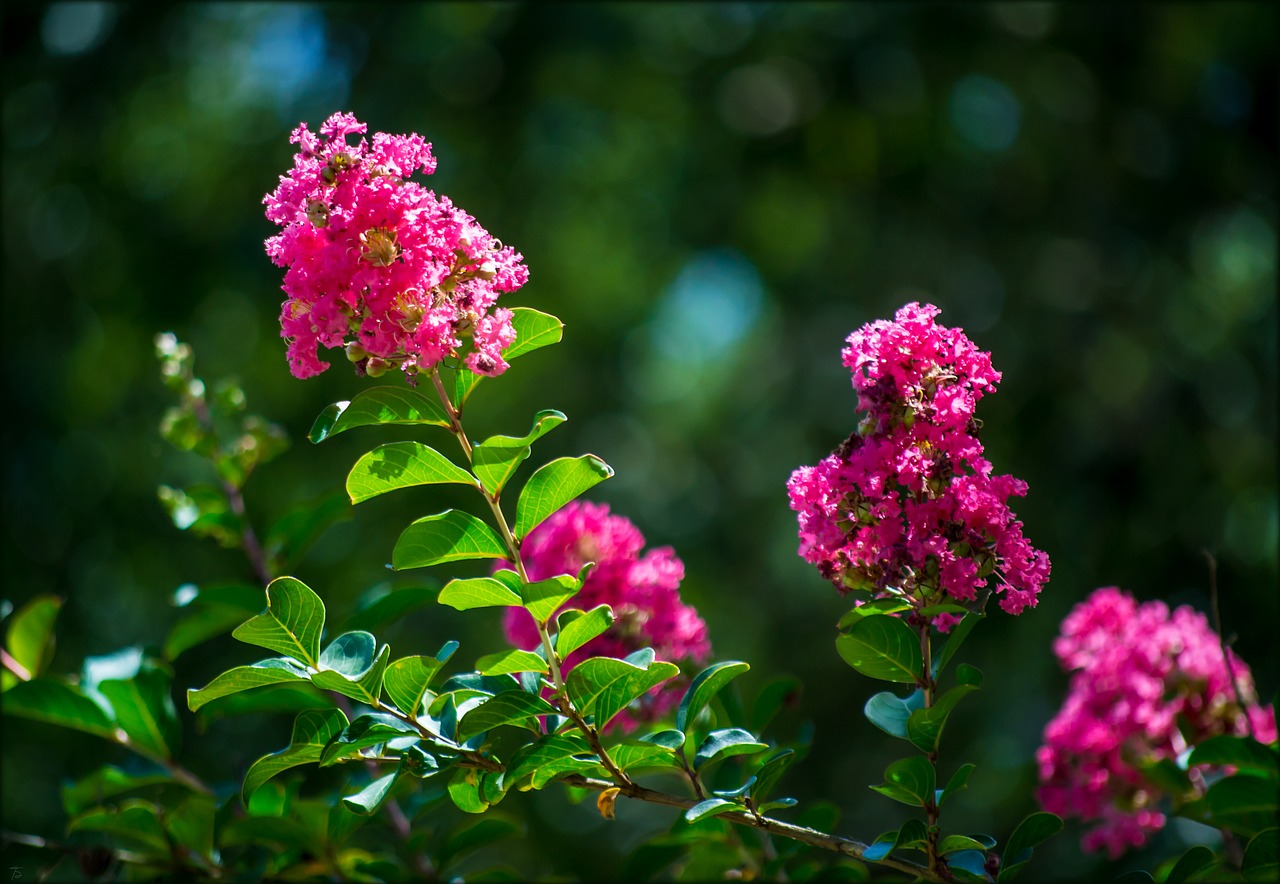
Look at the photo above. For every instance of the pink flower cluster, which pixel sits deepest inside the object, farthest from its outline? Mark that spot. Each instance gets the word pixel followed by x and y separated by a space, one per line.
pixel 643 592
pixel 907 505
pixel 379 264
pixel 1146 685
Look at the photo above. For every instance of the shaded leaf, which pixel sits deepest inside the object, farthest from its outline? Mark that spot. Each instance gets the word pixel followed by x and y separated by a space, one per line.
pixel 1033 830
pixel 882 647
pixel 958 782
pixel 134 822
pixel 555 484
pixel 910 781
pixel 1195 860
pixel 56 702
pixel 464 789
pixel 955 639
pixel 889 712
pixel 769 773
pixel 1262 857
pixel 924 726
pixel 144 709
pixel 378 405
pixel 383 606
pixel 290 536
pixel 29 636
pixel 291 624
pixel 277 670
pixel 406 680
pixel 1245 804
pixel 348 666
pixel 546 750
pixel 726 742
pixel 705 685
pixel 312 731
pixel 370 798
pixel 709 808
pixel 911 833
pixel 107 782
pixel 449 536
pixel 364 731
pixel 402 465
pixel 510 707
pixel 214 610
pixel 1243 753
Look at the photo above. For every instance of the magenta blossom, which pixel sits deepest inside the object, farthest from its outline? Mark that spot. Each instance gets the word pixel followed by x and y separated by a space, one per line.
pixel 907 506
pixel 380 265
pixel 643 592
pixel 1146 685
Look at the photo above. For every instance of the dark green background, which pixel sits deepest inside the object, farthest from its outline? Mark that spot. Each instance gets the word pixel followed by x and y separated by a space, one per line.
pixel 711 197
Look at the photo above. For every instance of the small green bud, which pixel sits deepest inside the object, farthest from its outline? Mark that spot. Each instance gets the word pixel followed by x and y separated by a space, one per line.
pixel 355 352
pixel 376 367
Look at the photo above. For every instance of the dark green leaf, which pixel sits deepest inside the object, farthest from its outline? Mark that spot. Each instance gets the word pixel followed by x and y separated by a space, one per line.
pixel 776 694
pixel 55 702
pixel 889 712
pixel 312 731
pixel 1166 774
pixel 106 782
pixel 956 638
pixel 1243 753
pixel 873 608
pixel 144 708
pixel 709 808
pixel 29 636
pixel 953 843
pixel 1033 830
pixel 277 670
pixel 968 675
pixel 478 592
pixel 364 731
pixel 378 405
pixel 575 628
pixel 542 597
pixel 512 660
pixel 1262 857
pixel 705 685
pixel 191 825
pixel 291 624
pixel 924 727
pixel 547 750
pixel 382 606
pixel 494 461
pixel 510 707
pixel 910 781
pixel 1245 804
pixel 959 781
pixel 214 611
pixel 882 647
pixel 449 536
pixel 769 773
pixel 726 742
pixel 911 834
pixel 406 680
pixel 671 739
pixel 555 484
pixel 1195 860
pixel 134 823
pixel 348 666
pixel 402 465
pixel 370 798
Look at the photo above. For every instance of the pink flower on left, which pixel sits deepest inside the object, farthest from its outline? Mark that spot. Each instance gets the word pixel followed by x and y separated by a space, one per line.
pixel 380 265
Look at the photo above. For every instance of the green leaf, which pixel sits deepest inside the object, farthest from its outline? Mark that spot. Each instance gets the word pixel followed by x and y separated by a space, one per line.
pixel 882 647
pixel 406 680
pixel 191 825
pixel 106 782
pixel 545 751
pixel 534 330
pixel 889 712
pixel 277 670
pixel 370 798
pixel 953 843
pixel 955 639
pixel 378 405
pixel 510 707
pixel 495 460
pixel 1197 859
pixel 575 628
pixel 709 808
pixel 726 742
pixel 364 731
pixel 604 686
pixel 478 592
pixel 1262 857
pixel 555 484
pixel 272 699
pixel 1243 753
pixel 873 608
pixel 481 833
pixel 291 624
pixel 312 731
pixel 542 597
pixel 671 739
pixel 969 675
pixel 349 667
pixel 144 708
pixel 134 822
pixel 1168 776
pixel 290 536
pixel 402 465
pixel 911 833
pixel 512 660
pixel 465 790
pixel 213 611
pixel 769 773
pixel 1245 804
pixel 924 727
pixel 910 781
pixel 959 781
pixel 1033 830
pixel 449 536
pixel 705 685
pixel 29 637
pixel 638 755
pixel 55 702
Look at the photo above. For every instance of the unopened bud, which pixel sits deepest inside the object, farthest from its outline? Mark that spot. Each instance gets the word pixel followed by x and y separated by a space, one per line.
pixel 376 367
pixel 355 352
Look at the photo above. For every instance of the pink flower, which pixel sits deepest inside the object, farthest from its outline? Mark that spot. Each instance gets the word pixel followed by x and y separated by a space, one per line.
pixel 1147 684
pixel 380 265
pixel 907 505
pixel 643 592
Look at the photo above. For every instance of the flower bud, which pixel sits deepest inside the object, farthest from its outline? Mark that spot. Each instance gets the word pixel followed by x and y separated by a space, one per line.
pixel 376 367
pixel 355 352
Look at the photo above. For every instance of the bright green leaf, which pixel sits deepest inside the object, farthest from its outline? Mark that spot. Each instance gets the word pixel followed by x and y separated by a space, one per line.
pixel 494 461
pixel 555 484
pixel 406 680
pixel 144 709
pixel 511 660
pixel 534 330
pixel 464 789
pixel 542 597
pixel 604 686
pixel 705 685
pixel 924 726
pixel 872 608
pixel 546 750
pixel 709 808
pixel 575 628
pixel 277 670
pixel 291 624
pixel 370 798
pixel 726 742
pixel 910 781
pixel 402 465
pixel 639 755
pixel 510 707
pixel 348 666
pixel 312 731
pixel 882 647
pixel 449 536
pixel 378 405
pixel 29 637
pixel 478 592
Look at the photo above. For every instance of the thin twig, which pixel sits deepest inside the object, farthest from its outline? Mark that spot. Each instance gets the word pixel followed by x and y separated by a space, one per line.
pixel 1222 641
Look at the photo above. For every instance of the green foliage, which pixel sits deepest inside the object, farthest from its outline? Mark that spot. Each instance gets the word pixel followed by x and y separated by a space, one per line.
pixel 555 484
pixel 882 647
pixel 402 465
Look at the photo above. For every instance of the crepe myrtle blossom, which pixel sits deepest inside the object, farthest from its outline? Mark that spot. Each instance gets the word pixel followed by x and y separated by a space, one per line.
pixel 642 590
pixel 907 506
pixel 1146 684
pixel 380 265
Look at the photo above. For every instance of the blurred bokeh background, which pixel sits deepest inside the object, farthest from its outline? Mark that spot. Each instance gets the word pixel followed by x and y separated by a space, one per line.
pixel 712 197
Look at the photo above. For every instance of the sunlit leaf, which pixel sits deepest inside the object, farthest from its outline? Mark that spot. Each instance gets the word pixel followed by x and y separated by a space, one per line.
pixel 604 686
pixel 56 702
pixel 575 628
pixel 495 460
pixel 379 405
pixel 312 731
pixel 406 679
pixel 555 484
pixel 277 670
pixel 364 731
pixel 510 707
pixel 450 536
pixel 726 742
pixel 478 592
pixel 350 667
pixel 291 624
pixel 546 750
pixel 144 709
pixel 705 685
pixel 882 647
pixel 402 465
pixel 709 808
pixel 29 636
pixel 511 660
pixel 541 598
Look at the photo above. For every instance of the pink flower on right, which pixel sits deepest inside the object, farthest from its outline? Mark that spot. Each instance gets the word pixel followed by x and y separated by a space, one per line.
pixel 1147 684
pixel 907 506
